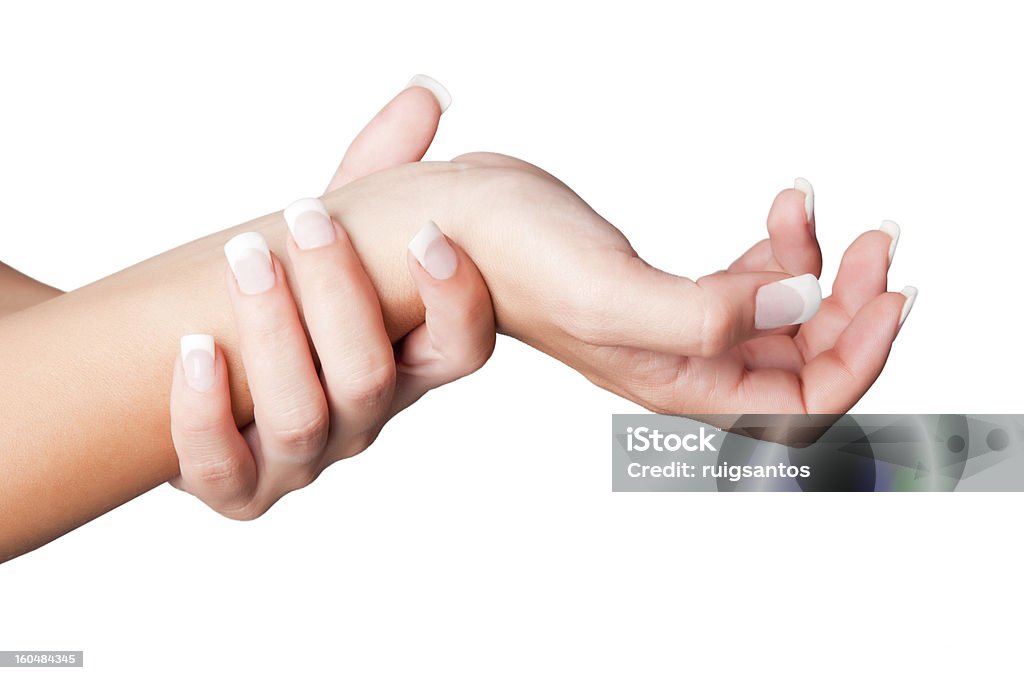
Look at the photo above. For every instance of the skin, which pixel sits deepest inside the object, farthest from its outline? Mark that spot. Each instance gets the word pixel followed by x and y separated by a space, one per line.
pixel 306 419
pixel 458 339
pixel 20 291
pixel 562 279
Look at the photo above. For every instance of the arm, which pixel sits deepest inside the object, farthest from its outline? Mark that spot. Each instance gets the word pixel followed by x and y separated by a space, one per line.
pixel 399 134
pixel 18 291
pixel 83 376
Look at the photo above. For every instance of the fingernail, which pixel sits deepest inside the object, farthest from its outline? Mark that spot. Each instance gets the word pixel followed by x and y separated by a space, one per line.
pixel 802 185
pixel 437 89
pixel 893 230
pixel 197 359
pixel 787 302
pixel 911 294
pixel 249 258
pixel 432 250
pixel 310 223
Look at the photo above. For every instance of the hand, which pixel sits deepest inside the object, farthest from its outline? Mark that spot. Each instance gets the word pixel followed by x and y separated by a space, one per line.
pixel 567 282
pixel 305 421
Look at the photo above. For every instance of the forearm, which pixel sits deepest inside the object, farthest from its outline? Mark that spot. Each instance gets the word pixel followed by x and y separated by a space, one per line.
pixel 18 291
pixel 84 378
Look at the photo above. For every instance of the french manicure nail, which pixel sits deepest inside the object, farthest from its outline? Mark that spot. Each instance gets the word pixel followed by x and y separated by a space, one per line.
pixel 787 302
pixel 803 186
pixel 444 99
pixel 310 223
pixel 893 230
pixel 249 258
pixel 911 294
pixel 197 359
pixel 432 250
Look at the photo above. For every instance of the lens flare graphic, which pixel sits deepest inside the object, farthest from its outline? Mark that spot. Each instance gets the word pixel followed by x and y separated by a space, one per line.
pixel 905 453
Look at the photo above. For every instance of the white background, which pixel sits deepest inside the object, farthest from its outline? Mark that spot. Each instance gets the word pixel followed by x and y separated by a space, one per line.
pixel 479 536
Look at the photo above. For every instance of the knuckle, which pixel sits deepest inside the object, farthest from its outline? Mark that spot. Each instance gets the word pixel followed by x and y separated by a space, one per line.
pixel 373 385
pixel 303 429
pixel 215 471
pixel 255 506
pixel 217 481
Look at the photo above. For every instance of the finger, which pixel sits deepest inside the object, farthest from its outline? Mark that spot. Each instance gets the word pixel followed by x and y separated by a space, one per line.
pixel 831 383
pixel 757 258
pixel 400 133
pixel 772 351
pixel 458 335
pixel 345 322
pixel 861 278
pixel 791 230
pixel 216 463
pixel 837 378
pixel 289 404
pixel 865 266
pixel 792 246
pixel 639 306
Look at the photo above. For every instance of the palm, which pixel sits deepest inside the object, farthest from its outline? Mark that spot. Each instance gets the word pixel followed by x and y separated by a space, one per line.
pixel 643 333
pixel 825 366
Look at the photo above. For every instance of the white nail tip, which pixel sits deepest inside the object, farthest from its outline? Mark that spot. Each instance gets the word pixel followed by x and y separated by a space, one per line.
pixel 239 246
pixel 444 99
pixel 433 252
pixel 422 240
pixel 197 342
pixel 809 289
pixel 304 205
pixel 893 230
pixel 802 185
pixel 785 303
pixel 910 292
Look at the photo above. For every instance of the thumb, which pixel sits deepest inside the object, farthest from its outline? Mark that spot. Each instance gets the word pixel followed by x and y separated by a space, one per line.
pixel 401 133
pixel 676 315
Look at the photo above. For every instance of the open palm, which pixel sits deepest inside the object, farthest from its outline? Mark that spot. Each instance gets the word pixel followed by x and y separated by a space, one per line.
pixel 676 345
pixel 822 366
